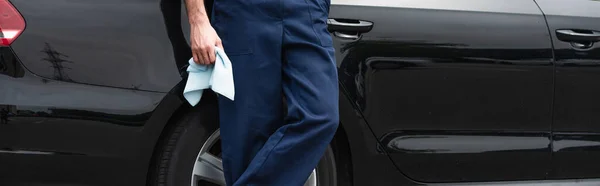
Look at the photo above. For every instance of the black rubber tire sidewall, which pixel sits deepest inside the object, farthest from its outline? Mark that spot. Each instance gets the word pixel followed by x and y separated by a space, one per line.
pixel 326 169
pixel 177 152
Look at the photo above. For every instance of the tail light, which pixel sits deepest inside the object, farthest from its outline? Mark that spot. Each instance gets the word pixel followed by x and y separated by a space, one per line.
pixel 12 23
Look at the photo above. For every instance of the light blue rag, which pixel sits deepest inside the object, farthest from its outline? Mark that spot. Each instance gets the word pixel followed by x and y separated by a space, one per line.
pixel 218 77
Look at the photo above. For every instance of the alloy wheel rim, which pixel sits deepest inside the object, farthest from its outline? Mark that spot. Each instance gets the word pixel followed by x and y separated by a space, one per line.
pixel 209 167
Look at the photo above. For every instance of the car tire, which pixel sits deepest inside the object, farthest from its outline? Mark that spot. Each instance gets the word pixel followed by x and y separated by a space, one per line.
pixel 177 151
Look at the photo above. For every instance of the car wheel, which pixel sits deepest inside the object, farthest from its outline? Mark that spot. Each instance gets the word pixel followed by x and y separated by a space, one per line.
pixel 190 154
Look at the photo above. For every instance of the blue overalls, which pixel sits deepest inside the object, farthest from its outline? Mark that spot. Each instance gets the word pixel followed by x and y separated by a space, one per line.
pixel 279 49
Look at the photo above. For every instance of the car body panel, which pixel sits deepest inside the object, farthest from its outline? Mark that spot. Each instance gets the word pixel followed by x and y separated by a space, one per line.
pixel 111 43
pixel 69 133
pixel 576 105
pixel 370 164
pixel 94 84
pixel 454 82
pixel 437 91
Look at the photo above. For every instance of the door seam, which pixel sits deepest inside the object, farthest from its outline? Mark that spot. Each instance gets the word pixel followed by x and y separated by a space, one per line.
pixel 551 172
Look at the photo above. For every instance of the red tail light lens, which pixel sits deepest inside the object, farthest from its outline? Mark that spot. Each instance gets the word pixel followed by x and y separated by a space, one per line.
pixel 12 23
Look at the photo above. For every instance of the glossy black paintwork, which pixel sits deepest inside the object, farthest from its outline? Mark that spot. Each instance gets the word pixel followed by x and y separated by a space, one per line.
pixel 577 104
pixel 96 120
pixel 436 91
pixel 428 70
pixel 102 131
pixel 61 132
pixel 576 155
pixel 124 43
pixel 448 155
pixel 577 70
pixel 370 165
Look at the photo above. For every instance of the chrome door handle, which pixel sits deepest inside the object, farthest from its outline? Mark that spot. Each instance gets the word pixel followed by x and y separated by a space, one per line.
pixel 571 35
pixel 346 25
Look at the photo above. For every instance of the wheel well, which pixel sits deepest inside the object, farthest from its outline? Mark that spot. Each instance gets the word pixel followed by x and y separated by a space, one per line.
pixel 209 100
pixel 170 126
pixel 340 146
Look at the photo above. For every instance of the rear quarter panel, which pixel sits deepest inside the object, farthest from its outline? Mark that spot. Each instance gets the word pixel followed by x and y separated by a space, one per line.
pixel 113 43
pixel 96 118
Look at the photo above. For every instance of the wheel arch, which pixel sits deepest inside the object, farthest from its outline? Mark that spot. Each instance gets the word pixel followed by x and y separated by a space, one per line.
pixel 345 143
pixel 169 110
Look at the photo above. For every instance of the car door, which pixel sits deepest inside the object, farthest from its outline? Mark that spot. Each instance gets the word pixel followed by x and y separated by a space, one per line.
pixel 455 90
pixel 575 29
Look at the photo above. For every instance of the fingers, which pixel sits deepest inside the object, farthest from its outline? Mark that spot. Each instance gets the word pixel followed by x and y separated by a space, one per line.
pixel 211 55
pixel 204 56
pixel 205 59
pixel 196 57
pixel 199 57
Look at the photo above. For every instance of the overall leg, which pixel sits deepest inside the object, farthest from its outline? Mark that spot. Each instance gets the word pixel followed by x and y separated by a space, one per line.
pixel 253 46
pixel 311 91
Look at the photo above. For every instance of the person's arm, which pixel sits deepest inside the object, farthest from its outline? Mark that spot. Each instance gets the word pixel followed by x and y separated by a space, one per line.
pixel 202 35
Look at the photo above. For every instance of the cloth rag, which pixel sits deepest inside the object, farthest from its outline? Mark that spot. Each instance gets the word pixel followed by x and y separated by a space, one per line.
pixel 217 76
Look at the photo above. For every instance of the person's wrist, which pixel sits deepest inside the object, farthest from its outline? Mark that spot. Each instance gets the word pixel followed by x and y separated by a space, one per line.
pixel 200 21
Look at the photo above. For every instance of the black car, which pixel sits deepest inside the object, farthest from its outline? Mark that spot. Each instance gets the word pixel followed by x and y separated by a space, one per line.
pixel 475 92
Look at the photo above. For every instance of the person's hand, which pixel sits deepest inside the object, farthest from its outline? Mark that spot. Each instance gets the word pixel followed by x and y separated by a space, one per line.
pixel 204 38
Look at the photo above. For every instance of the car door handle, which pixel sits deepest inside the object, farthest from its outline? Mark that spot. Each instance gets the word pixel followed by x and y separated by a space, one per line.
pixel 343 25
pixel 572 35
pixel 348 29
